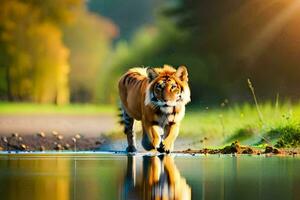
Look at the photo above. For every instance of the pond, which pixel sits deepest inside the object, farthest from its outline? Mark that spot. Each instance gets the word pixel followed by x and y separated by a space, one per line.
pixel 120 176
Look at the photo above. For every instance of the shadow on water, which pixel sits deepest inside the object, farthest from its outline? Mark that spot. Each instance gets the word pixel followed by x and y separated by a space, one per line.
pixel 160 179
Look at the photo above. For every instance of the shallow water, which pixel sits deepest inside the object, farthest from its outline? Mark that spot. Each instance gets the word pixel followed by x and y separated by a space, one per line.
pixel 118 176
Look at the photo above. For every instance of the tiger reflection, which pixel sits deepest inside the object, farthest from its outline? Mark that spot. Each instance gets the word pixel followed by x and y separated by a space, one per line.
pixel 160 179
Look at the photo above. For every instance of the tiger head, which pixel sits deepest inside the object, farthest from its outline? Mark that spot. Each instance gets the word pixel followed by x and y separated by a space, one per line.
pixel 167 86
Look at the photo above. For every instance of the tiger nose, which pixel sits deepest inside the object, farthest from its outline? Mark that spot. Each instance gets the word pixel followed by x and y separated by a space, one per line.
pixel 169 87
pixel 167 96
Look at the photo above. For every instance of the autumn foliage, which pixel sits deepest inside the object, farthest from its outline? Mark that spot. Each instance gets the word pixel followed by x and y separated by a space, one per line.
pixel 40 44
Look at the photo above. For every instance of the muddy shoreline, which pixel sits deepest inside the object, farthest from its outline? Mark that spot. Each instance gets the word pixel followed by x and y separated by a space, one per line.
pixel 55 141
pixel 237 148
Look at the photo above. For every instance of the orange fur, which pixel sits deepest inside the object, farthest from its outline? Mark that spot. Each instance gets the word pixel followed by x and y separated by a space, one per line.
pixel 157 97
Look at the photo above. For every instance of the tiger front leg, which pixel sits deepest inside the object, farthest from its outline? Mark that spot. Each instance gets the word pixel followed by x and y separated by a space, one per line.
pixel 151 137
pixel 172 131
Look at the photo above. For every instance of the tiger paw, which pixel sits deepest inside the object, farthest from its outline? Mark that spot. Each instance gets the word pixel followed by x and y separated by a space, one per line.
pixel 131 149
pixel 163 149
pixel 160 149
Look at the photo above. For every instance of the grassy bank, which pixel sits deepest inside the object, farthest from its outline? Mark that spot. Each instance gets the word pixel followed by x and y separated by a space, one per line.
pixel 71 109
pixel 243 123
pixel 277 125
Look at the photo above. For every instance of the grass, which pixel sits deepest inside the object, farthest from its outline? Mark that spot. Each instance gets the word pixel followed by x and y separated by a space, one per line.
pixel 224 125
pixel 7 108
pixel 242 134
pixel 288 136
pixel 256 125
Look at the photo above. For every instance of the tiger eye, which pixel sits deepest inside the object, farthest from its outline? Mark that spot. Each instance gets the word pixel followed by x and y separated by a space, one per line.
pixel 159 86
pixel 173 86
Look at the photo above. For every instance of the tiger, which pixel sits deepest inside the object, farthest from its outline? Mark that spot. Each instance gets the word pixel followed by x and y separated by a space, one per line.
pixel 157 97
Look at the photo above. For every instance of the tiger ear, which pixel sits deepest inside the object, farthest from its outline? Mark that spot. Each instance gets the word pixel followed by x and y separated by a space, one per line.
pixel 182 73
pixel 151 73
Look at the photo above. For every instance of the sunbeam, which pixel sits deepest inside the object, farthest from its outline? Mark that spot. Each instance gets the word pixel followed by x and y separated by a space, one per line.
pixel 269 32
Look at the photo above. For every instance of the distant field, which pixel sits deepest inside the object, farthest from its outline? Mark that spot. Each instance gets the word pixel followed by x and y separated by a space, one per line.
pixel 71 109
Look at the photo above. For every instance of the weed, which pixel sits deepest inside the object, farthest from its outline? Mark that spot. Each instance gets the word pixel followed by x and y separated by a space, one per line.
pixel 288 136
pixel 261 118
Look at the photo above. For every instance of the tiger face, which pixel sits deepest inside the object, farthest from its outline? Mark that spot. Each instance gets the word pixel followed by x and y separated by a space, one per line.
pixel 167 87
pixel 166 90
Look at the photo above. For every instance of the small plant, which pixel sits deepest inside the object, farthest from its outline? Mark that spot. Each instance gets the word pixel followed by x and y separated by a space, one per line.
pixel 222 125
pixel 289 136
pixel 260 115
pixel 277 104
pixel 255 101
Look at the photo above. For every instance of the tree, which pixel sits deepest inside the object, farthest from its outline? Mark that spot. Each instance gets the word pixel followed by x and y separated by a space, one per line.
pixel 89 40
pixel 35 59
pixel 254 39
pixel 223 44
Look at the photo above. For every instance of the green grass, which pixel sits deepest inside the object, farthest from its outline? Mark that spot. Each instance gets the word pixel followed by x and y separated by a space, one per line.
pixel 288 136
pixel 71 109
pixel 224 125
pixel 221 126
pixel 242 134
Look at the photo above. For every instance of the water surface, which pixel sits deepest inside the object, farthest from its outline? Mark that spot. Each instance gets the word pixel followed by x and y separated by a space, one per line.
pixel 116 176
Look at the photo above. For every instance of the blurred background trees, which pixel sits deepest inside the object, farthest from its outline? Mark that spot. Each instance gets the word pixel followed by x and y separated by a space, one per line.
pixel 51 50
pixel 56 51
pixel 241 39
pixel 89 40
pixel 34 59
pixel 223 44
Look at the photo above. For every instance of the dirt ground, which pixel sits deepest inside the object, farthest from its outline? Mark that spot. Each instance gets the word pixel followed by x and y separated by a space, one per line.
pixel 91 126
pixel 54 132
